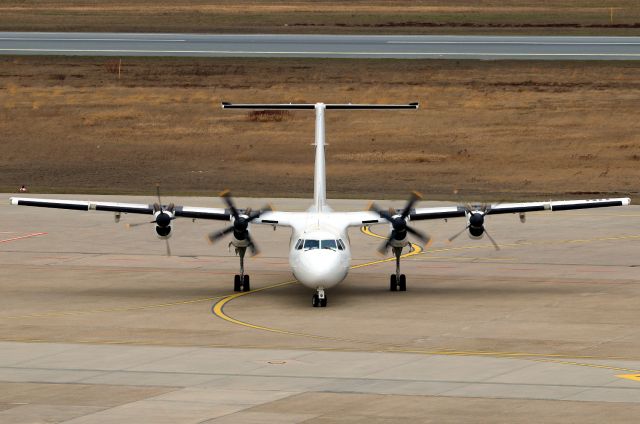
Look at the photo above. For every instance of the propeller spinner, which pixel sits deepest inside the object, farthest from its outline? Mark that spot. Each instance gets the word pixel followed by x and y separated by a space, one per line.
pixel 399 225
pixel 475 223
pixel 240 225
pixel 163 215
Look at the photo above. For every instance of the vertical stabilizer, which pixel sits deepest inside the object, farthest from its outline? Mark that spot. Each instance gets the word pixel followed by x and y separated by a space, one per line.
pixel 320 175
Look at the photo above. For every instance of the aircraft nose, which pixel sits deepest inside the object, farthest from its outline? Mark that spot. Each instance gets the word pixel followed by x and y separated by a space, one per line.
pixel 321 268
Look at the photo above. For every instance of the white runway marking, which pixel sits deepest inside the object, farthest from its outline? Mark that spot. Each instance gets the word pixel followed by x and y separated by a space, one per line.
pixel 526 43
pixel 143 40
pixel 303 53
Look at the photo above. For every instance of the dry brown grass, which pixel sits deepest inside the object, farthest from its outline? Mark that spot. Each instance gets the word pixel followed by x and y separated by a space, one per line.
pixel 268 115
pixel 498 129
pixel 399 158
pixel 324 16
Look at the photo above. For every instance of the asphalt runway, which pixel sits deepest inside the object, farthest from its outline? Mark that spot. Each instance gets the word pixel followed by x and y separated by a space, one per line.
pixel 97 325
pixel 323 46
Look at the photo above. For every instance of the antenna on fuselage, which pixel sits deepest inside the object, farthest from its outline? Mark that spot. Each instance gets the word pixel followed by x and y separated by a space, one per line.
pixel 319 183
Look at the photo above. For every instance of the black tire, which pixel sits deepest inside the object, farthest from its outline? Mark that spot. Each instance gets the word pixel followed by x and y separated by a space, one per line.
pixel 403 283
pixel 315 301
pixel 323 303
pixel 246 285
pixel 393 284
pixel 236 283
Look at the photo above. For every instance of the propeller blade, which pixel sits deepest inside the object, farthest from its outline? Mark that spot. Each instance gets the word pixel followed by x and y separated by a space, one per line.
pixel 384 214
pixel 226 196
pixel 215 235
pixel 158 194
pixel 384 247
pixel 419 234
pixel 252 246
pixel 255 214
pixel 415 196
pixel 490 206
pixel 137 224
pixel 492 240
pixel 458 234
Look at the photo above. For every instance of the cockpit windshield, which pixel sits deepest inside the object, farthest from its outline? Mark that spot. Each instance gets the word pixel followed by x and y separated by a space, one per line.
pixel 311 244
pixel 329 244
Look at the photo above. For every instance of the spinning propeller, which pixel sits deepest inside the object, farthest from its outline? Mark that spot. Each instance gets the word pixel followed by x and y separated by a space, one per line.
pixel 240 226
pixel 475 223
pixel 399 223
pixel 163 217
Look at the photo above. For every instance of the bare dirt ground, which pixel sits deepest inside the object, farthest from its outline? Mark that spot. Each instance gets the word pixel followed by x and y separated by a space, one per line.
pixel 359 16
pixel 503 130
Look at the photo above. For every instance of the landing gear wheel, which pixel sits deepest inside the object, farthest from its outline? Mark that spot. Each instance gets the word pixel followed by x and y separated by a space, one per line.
pixel 246 285
pixel 393 283
pixel 403 283
pixel 317 302
pixel 236 283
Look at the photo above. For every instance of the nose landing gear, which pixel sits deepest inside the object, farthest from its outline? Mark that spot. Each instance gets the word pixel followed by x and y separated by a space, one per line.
pixel 241 282
pixel 398 282
pixel 319 299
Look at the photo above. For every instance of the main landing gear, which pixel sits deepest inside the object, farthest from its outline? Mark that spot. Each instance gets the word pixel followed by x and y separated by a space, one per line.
pixel 319 299
pixel 241 282
pixel 397 281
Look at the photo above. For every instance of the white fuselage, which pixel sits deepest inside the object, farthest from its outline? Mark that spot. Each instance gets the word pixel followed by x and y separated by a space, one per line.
pixel 319 255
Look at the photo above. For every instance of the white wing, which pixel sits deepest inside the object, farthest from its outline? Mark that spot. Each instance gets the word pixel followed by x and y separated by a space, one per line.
pixel 357 219
pixel 284 219
pixel 139 208
pixel 561 205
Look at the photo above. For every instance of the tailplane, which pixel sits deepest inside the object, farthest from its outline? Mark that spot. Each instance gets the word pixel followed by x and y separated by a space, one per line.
pixel 320 184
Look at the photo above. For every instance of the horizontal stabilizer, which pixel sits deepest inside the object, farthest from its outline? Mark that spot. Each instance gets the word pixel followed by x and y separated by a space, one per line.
pixel 294 106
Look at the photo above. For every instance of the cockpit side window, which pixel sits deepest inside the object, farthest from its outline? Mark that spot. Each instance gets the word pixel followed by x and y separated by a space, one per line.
pixel 329 244
pixel 299 244
pixel 340 245
pixel 311 244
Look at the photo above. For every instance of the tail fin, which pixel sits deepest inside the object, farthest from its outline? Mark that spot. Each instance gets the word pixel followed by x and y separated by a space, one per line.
pixel 320 186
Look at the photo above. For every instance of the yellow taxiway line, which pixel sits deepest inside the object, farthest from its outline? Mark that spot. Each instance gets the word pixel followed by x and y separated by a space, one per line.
pixel 218 310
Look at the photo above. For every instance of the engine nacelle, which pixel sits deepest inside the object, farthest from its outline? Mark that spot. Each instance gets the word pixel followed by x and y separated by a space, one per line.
pixel 163 223
pixel 163 232
pixel 476 224
pixel 476 232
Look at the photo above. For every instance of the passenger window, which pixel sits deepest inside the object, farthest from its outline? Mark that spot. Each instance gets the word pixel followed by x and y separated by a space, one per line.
pixel 299 244
pixel 340 245
pixel 329 244
pixel 311 244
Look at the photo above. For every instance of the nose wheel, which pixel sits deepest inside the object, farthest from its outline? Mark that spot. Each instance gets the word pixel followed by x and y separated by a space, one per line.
pixel 319 299
pixel 398 284
pixel 241 283
pixel 397 281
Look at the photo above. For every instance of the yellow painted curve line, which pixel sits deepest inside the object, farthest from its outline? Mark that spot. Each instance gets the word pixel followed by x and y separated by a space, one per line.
pixel 117 309
pixel 582 364
pixel 218 310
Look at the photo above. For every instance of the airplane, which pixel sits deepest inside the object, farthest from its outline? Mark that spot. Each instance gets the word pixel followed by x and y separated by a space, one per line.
pixel 319 248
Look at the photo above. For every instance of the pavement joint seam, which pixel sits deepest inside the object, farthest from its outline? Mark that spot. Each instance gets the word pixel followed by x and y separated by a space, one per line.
pixel 218 308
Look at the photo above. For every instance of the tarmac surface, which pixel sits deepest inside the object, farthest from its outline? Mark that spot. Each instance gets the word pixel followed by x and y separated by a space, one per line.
pixel 322 46
pixel 97 325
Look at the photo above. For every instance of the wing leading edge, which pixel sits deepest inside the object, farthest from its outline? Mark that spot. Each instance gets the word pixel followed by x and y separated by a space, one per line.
pixel 501 208
pixel 138 208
